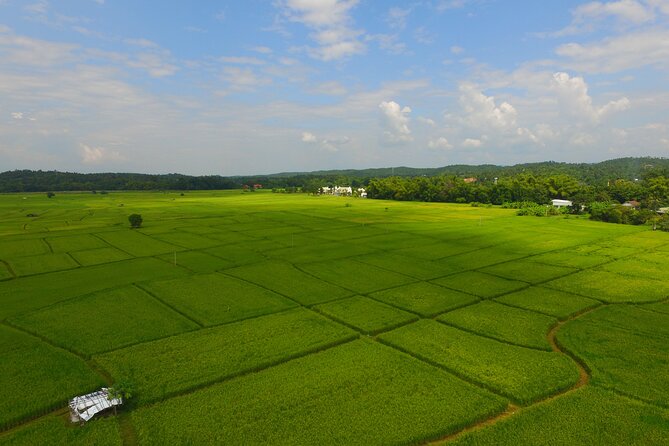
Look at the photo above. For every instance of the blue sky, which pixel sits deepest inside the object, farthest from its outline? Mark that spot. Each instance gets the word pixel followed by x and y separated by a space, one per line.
pixel 243 87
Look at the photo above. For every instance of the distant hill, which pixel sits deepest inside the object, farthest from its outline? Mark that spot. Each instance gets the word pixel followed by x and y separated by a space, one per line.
pixel 594 173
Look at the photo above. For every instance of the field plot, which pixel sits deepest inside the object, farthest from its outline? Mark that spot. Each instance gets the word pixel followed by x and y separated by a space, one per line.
pixel 214 298
pixel 105 320
pixel 285 279
pixel 11 249
pixel 425 299
pixel 625 356
pixel 612 288
pixel 54 430
pixel 29 293
pixel 295 319
pixel 197 261
pixel 365 314
pixel 71 243
pixel 528 271
pixel 187 240
pixel 343 392
pixel 44 263
pixel 512 325
pixel 356 276
pixel 136 243
pixel 480 284
pixel 414 267
pixel 586 417
pixel 522 374
pixel 37 377
pixel 172 365
pixel 548 301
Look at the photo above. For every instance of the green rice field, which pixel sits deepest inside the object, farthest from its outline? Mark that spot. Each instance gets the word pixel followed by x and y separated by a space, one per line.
pixel 260 318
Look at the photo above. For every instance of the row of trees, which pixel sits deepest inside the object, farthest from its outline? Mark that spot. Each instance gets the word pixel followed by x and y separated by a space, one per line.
pixel 652 192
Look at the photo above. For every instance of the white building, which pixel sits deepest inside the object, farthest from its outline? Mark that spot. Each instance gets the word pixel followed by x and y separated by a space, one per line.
pixel 561 203
pixel 85 407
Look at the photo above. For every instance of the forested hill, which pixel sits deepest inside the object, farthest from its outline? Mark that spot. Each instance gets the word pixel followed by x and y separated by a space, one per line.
pixel 593 174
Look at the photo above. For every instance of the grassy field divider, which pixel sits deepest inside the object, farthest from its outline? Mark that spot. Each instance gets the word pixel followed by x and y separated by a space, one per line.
pixel 584 378
pixel 352 327
pixel 483 335
pixel 48 244
pixel 161 301
pixel 260 368
pixel 455 373
pixel 9 268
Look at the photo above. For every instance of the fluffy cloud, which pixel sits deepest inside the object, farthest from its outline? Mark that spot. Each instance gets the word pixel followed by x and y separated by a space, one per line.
pixel 98 155
pixel 331 23
pixel 439 143
pixel 628 51
pixel 572 93
pixel 624 10
pixel 472 143
pixel 396 122
pixel 308 137
pixel 481 111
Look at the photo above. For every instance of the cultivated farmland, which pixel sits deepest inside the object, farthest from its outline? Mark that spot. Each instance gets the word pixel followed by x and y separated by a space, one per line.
pixel 259 318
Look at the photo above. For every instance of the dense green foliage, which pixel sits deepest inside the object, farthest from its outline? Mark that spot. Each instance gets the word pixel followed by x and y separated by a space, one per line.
pixel 358 393
pixel 235 316
pixel 586 416
pixel 508 324
pixel 179 363
pixel 37 377
pixel 625 348
pixel 57 430
pixel 522 374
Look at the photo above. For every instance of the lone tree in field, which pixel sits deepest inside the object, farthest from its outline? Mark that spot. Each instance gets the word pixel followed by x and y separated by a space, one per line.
pixel 135 220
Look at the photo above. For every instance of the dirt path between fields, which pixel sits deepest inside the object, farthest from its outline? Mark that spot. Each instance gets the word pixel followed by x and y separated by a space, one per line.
pixel 584 378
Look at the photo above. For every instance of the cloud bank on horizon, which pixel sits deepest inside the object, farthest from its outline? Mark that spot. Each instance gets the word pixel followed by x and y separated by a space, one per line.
pixel 292 85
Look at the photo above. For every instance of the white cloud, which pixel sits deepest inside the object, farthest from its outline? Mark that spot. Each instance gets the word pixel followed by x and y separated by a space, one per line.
pixel 628 51
pixel 241 60
pixel 572 94
pixel 439 143
pixel 262 49
pixel 397 17
pixel 389 43
pixel 98 155
pixel 472 143
pixel 243 79
pixel 481 110
pixel 330 21
pixel 396 122
pixel 457 49
pixel 309 137
pixel 624 10
pixel 426 121
pixel 17 115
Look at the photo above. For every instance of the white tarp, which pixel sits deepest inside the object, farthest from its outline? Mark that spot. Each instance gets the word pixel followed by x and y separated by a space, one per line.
pixel 84 407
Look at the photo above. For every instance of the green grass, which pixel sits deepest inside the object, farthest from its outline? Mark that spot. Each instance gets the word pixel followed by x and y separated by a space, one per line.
pixel 37 377
pixel 548 301
pixel 98 256
pixel 480 284
pixel 214 298
pixel 425 299
pixel 53 430
pixel 10 249
pixel 187 240
pixel 356 276
pixel 197 261
pixel 612 288
pixel 172 365
pixel 44 263
pixel 418 268
pixel 358 393
pixel 513 325
pixel 312 251
pixel 588 416
pixel 30 293
pixel 651 266
pixel 285 279
pixel 364 314
pixel 235 254
pixel 71 243
pixel 631 355
pixel 660 307
pixel 105 320
pixel 522 374
pixel 571 259
pixel 528 271
pixel 136 243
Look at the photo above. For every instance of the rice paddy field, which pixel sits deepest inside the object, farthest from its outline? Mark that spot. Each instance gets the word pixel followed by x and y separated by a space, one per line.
pixel 260 318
